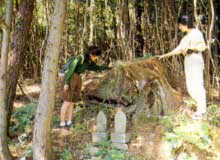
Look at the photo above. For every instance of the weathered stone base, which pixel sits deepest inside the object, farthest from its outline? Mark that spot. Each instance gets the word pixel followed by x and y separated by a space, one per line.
pixel 95 158
pixel 120 146
pixel 120 137
pixel 94 151
pixel 99 137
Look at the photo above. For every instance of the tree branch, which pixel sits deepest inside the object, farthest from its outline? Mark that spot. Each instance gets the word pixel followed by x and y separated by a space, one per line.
pixel 30 99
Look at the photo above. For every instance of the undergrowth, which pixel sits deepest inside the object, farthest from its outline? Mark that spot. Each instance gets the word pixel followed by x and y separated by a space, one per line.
pixel 189 139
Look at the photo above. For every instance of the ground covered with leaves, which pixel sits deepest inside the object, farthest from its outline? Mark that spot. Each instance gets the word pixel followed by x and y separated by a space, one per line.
pixel 172 137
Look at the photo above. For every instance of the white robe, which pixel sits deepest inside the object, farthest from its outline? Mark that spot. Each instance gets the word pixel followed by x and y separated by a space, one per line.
pixel 194 66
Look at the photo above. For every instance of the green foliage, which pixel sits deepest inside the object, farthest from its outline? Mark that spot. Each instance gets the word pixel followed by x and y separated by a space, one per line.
pixel 108 109
pixel 104 147
pixel 2 9
pixel 148 55
pixel 168 123
pixel 181 131
pixel 23 117
pixel 66 154
pixel 107 152
pixel 40 12
pixel 56 120
pixel 214 115
pixel 109 86
pixel 186 156
pixel 197 135
pixel 190 103
pixel 28 152
pixel 79 127
pixel 78 114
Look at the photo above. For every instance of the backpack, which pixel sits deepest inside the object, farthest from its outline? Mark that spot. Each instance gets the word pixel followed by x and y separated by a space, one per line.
pixel 66 66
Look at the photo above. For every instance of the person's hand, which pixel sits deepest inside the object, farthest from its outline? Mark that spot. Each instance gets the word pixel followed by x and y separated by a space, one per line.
pixel 66 87
pixel 163 56
pixel 184 52
pixel 61 75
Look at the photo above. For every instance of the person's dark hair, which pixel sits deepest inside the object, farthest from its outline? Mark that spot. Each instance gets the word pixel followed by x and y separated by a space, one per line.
pixel 94 50
pixel 186 20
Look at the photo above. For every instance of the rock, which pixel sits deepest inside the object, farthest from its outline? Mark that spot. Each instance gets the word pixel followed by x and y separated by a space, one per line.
pixel 120 146
pixel 120 137
pixel 120 122
pixel 99 137
pixel 101 122
pixel 143 83
pixel 94 151
pixel 95 158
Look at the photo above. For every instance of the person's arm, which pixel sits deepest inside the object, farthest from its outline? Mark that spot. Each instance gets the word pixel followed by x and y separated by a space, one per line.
pixel 71 71
pixel 169 54
pixel 198 43
pixel 180 49
pixel 94 67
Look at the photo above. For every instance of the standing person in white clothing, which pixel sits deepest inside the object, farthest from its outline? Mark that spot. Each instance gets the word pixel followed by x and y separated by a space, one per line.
pixel 191 46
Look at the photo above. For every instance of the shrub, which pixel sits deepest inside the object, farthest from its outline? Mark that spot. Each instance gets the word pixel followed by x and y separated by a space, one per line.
pixel 23 117
pixel 214 115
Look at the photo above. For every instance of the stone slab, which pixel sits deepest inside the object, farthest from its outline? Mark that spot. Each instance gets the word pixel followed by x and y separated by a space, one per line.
pixel 95 158
pixel 101 122
pixel 99 137
pixel 120 137
pixel 120 146
pixel 94 151
pixel 120 122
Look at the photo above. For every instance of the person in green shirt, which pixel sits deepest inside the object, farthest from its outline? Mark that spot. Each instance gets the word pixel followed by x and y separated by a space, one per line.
pixel 73 81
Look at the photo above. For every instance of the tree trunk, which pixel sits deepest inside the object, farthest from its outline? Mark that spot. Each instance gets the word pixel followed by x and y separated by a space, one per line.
pixel 139 38
pixel 145 26
pixel 123 29
pixel 209 39
pixel 131 41
pixel 83 38
pixel 20 39
pixel 4 150
pixel 91 16
pixel 41 135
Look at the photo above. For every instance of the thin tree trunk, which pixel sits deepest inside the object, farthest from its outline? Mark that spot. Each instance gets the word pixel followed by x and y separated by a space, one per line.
pixel 209 38
pixel 118 37
pixel 42 127
pixel 4 150
pixel 20 39
pixel 82 40
pixel 114 44
pixel 131 41
pixel 123 29
pixel 138 37
pixel 91 34
pixel 195 12
pixel 145 24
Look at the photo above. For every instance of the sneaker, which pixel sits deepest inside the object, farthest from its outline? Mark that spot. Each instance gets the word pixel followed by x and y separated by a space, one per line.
pixel 69 123
pixel 62 125
pixel 198 116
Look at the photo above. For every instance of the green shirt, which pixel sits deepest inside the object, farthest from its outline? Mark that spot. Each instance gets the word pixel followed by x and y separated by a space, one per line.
pixel 77 67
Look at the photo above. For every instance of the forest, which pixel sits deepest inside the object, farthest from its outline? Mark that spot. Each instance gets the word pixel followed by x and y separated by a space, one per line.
pixel 136 105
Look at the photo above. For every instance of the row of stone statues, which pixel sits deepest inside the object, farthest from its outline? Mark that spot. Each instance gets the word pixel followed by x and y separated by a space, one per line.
pixel 118 138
